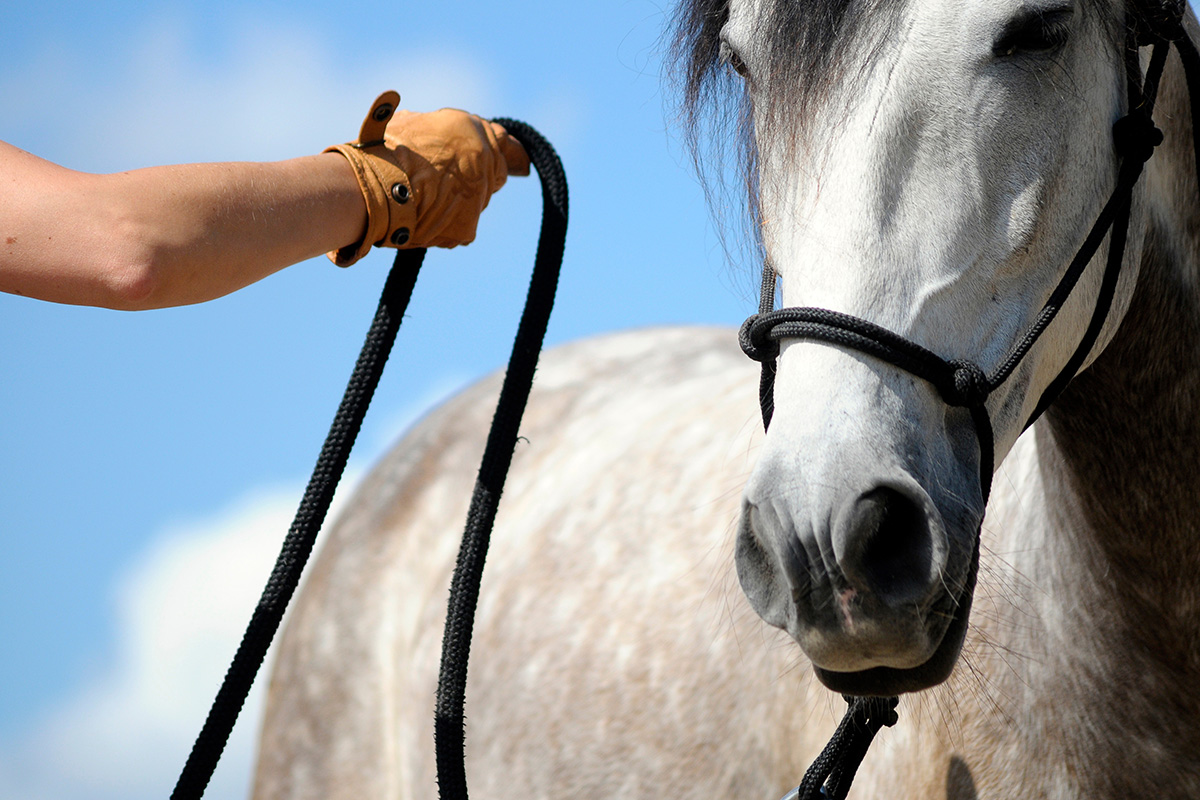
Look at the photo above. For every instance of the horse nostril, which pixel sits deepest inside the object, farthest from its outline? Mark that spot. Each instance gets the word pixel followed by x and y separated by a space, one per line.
pixel 888 547
pixel 767 574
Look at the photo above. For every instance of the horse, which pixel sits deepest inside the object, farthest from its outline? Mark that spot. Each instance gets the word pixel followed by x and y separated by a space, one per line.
pixel 930 166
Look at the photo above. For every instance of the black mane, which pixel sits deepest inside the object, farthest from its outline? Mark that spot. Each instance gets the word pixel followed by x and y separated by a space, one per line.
pixel 806 42
pixel 810 47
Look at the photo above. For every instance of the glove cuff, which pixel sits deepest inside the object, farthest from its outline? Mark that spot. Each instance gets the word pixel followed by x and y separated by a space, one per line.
pixel 386 189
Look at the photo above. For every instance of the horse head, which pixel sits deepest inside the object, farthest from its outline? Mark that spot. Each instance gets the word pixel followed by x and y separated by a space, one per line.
pixel 931 167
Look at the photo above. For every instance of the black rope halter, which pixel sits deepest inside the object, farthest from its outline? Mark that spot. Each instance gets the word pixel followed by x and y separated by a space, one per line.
pixel 963 383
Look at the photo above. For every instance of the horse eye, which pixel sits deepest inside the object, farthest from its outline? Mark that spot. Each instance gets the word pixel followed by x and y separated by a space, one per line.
pixel 730 57
pixel 1034 32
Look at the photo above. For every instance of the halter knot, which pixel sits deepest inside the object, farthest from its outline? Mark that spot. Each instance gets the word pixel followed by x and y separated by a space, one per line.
pixel 970 385
pixel 882 709
pixel 1136 136
pixel 755 340
pixel 1161 22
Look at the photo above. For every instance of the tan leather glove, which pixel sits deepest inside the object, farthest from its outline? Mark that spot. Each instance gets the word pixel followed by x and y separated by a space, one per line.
pixel 426 177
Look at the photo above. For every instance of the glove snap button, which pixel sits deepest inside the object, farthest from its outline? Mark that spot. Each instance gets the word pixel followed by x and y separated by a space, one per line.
pixel 399 192
pixel 382 112
pixel 400 236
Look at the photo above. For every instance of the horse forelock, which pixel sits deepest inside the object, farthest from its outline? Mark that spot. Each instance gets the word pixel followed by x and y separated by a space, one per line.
pixel 807 46
pixel 808 49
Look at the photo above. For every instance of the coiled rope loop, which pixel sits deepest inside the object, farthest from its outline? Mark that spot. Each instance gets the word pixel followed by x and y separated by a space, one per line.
pixel 298 544
pixel 464 586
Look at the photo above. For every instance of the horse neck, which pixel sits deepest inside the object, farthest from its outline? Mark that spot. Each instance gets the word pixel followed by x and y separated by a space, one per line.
pixel 1095 535
pixel 1125 436
pixel 1119 453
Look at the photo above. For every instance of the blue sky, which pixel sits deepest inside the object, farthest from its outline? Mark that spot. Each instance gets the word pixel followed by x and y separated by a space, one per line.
pixel 151 461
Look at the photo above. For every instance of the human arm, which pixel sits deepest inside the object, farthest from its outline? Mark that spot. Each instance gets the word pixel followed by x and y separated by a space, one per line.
pixel 170 235
pixel 176 235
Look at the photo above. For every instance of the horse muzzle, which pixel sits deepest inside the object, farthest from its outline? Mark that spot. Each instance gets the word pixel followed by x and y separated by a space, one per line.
pixel 864 549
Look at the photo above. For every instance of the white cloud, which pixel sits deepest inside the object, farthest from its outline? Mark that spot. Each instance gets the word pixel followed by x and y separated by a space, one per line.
pixel 181 608
pixel 277 90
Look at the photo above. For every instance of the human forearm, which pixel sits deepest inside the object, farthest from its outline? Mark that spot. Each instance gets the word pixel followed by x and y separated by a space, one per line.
pixel 199 231
pixel 167 235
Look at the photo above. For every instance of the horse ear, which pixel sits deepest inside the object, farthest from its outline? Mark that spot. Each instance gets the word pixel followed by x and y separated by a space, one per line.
pixel 1157 20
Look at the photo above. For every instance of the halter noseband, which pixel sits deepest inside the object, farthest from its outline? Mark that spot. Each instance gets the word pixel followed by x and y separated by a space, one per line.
pixel 962 383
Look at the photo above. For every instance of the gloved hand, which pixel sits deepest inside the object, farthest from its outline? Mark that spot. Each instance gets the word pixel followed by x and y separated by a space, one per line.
pixel 426 177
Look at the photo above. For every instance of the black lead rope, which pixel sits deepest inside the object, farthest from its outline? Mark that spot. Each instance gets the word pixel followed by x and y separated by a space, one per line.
pixel 464 587
pixel 965 384
pixel 298 544
pixel 833 770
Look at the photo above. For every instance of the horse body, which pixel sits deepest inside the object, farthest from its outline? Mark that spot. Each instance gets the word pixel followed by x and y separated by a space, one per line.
pixel 612 650
pixel 614 655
